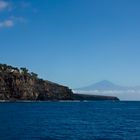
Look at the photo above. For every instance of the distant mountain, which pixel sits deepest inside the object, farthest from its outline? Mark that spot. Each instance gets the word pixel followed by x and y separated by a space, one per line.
pixel 103 85
pixel 108 88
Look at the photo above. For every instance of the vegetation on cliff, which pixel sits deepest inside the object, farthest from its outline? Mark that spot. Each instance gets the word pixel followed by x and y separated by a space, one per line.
pixel 20 84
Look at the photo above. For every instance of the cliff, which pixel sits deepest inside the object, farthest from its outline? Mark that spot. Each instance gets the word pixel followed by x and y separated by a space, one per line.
pixel 19 84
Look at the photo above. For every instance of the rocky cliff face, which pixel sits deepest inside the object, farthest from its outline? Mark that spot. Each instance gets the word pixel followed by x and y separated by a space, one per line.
pixel 18 84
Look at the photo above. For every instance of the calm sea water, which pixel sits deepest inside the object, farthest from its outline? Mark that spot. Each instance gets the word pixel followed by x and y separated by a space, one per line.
pixel 70 121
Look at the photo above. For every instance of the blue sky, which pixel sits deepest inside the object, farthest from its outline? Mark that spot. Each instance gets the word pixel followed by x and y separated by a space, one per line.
pixel 73 42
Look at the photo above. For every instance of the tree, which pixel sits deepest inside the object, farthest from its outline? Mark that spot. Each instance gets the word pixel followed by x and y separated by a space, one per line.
pixel 24 70
pixel 0 66
pixel 34 74
pixel 4 67
pixel 16 69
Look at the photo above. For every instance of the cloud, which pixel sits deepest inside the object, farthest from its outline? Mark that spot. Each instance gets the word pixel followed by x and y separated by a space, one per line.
pixel 4 5
pixel 7 23
pixel 11 21
pixel 9 11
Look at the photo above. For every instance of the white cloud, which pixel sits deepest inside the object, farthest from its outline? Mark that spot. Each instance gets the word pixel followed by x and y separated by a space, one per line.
pixel 7 23
pixel 9 7
pixel 11 21
pixel 3 5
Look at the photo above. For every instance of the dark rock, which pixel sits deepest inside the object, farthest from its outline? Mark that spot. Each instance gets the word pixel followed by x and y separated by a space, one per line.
pixel 93 97
pixel 19 85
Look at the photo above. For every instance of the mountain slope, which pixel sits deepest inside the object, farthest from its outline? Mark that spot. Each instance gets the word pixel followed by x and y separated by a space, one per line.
pixel 109 89
pixel 103 85
pixel 19 84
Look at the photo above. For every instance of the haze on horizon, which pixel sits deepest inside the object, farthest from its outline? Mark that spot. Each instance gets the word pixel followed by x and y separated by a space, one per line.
pixel 74 43
pixel 107 88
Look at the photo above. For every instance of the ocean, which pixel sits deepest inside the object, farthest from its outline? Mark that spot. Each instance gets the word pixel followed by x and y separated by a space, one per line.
pixel 95 120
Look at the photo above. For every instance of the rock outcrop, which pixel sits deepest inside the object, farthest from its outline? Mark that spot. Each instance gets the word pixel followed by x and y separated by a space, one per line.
pixel 19 84
pixel 94 97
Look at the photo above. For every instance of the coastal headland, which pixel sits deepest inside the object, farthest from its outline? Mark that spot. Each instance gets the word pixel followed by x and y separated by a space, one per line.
pixel 18 84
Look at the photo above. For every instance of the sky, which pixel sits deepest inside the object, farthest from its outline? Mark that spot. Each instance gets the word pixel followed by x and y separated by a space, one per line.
pixel 73 42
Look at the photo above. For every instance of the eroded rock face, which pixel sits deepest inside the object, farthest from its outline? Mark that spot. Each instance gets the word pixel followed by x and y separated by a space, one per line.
pixel 16 85
pixel 19 84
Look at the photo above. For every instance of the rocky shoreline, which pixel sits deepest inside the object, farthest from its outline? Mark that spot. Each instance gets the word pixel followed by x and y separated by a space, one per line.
pixel 21 85
pixel 94 97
